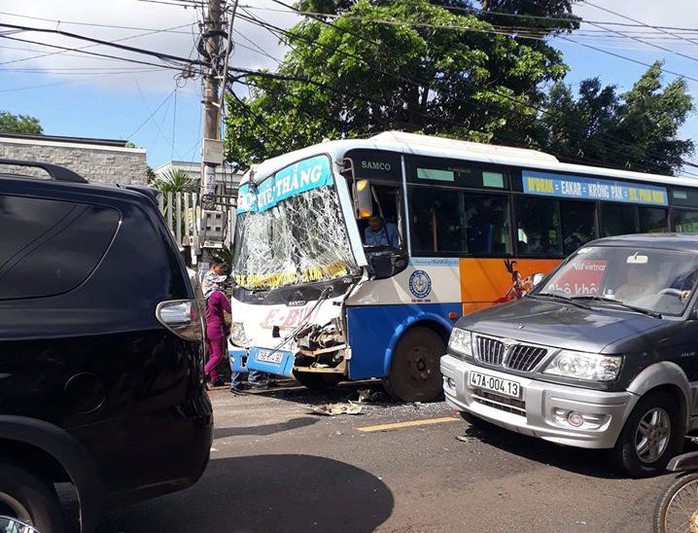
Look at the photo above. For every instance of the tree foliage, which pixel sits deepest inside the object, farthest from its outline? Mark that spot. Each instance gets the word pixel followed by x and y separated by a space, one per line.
pixel 175 180
pixel 409 65
pixel 24 124
pixel 637 130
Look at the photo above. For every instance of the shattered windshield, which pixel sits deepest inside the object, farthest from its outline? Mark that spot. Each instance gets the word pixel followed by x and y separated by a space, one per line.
pixel 290 230
pixel 658 281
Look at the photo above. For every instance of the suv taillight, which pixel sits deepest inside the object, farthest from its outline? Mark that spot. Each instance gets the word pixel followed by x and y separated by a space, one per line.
pixel 181 317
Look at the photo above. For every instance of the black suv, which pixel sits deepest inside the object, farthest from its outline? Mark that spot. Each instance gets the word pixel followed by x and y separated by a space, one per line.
pixel 101 353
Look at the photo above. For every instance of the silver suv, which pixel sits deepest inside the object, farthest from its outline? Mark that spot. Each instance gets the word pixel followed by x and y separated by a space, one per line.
pixel 603 353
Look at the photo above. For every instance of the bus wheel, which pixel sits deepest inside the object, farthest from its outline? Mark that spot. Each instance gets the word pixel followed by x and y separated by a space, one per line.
pixel 414 371
pixel 315 380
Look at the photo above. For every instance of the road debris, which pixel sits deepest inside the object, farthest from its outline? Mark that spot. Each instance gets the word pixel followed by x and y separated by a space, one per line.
pixel 334 409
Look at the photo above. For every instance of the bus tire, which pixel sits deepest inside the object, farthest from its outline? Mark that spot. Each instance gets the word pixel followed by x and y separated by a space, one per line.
pixel 314 380
pixel 29 498
pixel 414 370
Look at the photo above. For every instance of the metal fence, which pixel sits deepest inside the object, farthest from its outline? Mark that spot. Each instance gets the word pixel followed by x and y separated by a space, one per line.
pixel 182 212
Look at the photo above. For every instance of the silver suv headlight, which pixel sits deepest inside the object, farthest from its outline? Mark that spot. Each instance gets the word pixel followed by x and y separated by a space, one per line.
pixel 237 335
pixel 461 342
pixel 582 365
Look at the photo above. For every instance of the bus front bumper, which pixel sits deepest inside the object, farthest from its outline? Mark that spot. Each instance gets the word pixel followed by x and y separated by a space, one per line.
pixel 561 414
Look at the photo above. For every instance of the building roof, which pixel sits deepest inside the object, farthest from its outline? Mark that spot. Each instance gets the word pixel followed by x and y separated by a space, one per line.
pixel 73 140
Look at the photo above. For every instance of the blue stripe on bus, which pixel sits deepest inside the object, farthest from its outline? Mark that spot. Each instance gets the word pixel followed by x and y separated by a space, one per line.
pixel 375 330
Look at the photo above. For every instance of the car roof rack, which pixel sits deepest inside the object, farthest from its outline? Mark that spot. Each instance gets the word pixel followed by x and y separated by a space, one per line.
pixel 56 172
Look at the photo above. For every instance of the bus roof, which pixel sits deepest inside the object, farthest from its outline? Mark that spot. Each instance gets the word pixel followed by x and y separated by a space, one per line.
pixel 427 145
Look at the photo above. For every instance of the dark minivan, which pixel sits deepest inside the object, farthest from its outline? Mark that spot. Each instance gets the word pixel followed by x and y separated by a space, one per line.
pixel 603 353
pixel 101 354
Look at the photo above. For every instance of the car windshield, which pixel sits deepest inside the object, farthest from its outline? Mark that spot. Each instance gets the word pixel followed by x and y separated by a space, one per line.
pixel 658 281
pixel 290 230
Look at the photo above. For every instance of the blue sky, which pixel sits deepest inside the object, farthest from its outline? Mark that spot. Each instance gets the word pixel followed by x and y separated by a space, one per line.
pixel 77 95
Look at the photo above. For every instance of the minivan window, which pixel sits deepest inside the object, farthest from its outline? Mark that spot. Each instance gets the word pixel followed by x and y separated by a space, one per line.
pixel 50 247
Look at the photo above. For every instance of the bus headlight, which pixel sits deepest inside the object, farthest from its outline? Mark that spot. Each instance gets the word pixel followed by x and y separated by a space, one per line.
pixel 461 343
pixel 582 365
pixel 237 335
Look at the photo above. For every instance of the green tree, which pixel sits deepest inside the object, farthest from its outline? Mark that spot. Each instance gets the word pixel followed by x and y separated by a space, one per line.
pixel 10 123
pixel 407 65
pixel 638 130
pixel 175 180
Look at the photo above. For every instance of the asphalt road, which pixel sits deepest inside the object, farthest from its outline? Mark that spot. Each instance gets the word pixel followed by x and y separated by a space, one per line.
pixel 276 466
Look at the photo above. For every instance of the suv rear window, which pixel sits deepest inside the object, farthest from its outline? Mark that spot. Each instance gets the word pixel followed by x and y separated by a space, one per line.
pixel 50 247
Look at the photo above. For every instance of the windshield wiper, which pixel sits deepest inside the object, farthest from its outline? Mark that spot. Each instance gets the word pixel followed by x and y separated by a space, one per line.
pixel 635 308
pixel 560 296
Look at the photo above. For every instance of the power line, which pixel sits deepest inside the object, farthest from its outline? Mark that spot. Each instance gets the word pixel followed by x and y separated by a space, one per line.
pixel 181 3
pixel 86 52
pixel 95 25
pixel 167 98
pixel 160 55
pixel 618 141
pixel 660 28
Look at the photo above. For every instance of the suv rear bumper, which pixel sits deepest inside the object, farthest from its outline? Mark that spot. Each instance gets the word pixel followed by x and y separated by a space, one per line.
pixel 171 455
pixel 542 408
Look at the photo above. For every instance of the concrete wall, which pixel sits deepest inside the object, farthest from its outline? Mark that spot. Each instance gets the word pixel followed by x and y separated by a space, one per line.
pixel 96 163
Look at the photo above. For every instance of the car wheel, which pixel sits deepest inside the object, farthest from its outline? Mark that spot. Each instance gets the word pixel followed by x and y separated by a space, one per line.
pixel 414 371
pixel 652 435
pixel 28 498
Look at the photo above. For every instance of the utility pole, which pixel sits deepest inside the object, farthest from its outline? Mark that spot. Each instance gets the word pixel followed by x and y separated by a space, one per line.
pixel 212 145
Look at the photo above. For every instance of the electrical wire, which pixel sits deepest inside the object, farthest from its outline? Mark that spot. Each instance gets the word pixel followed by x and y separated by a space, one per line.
pixel 617 142
pixel 160 55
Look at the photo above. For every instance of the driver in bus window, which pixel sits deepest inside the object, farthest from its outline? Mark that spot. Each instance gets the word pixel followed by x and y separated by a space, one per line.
pixel 380 233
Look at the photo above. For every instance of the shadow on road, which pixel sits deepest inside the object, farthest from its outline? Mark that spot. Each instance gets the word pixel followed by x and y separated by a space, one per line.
pixel 594 463
pixel 266 493
pixel 268 429
pixel 339 393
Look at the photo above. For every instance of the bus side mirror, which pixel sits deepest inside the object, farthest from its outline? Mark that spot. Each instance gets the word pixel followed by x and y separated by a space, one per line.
pixel 362 199
pixel 536 278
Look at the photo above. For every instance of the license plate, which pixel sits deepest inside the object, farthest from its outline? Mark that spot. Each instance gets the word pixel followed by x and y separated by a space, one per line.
pixel 269 356
pixel 502 386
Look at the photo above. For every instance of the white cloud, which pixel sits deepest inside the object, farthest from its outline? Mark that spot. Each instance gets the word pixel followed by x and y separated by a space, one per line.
pixel 680 13
pixel 130 22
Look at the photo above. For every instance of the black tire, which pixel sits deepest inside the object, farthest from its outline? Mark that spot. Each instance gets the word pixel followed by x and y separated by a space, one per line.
pixel 314 380
pixel 415 375
pixel 645 451
pixel 677 507
pixel 30 499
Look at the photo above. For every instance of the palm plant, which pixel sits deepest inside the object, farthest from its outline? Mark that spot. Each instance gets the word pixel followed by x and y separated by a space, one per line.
pixel 175 180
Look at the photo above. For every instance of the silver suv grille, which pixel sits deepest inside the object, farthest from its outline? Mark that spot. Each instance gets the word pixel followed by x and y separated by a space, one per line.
pixel 516 356
pixel 490 351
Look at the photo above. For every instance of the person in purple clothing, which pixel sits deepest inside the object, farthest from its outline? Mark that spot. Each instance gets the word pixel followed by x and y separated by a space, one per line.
pixel 216 304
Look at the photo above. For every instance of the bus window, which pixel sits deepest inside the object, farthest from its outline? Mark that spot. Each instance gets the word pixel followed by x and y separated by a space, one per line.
pixel 538 227
pixel 384 226
pixel 685 221
pixel 653 220
pixel 437 220
pixel 578 224
pixel 456 222
pixel 619 219
pixel 487 224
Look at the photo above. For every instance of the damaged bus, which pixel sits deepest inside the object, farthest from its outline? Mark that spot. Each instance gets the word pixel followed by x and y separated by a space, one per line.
pixel 354 258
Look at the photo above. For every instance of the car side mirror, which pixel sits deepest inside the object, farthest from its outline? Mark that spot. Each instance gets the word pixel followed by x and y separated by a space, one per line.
pixel 536 278
pixel 12 525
